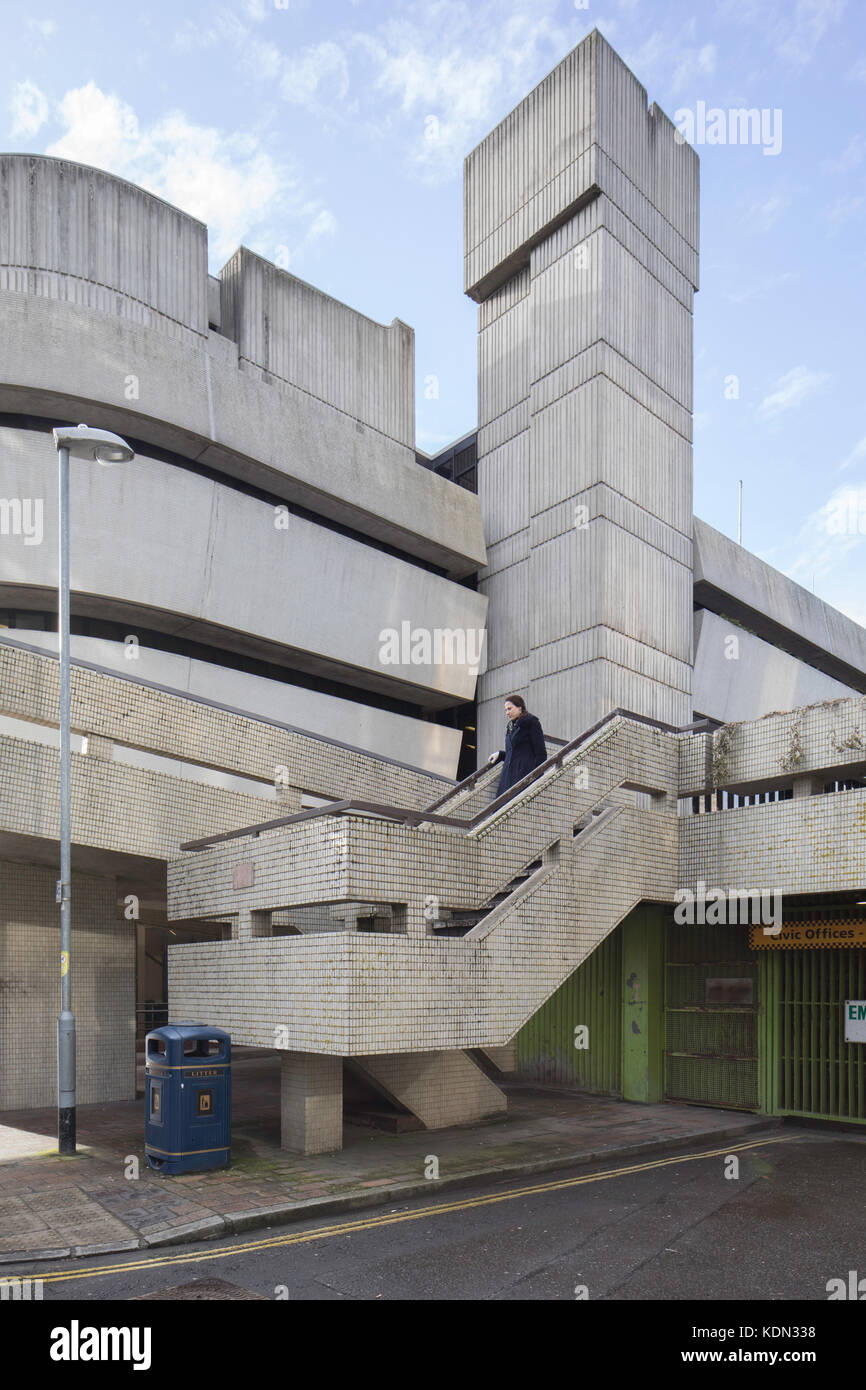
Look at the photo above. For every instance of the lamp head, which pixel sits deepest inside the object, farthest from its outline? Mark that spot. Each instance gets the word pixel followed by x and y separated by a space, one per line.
pixel 96 446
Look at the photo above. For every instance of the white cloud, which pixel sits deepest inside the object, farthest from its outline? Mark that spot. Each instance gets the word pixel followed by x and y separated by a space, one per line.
pixel 29 108
pixel 857 454
pixel 431 63
pixel 762 288
pixel 44 27
pixel 852 155
pixel 226 180
pixel 831 549
pixel 794 35
pixel 260 59
pixel 791 390
pixel 694 63
pixel 324 224
pixel 323 66
pixel 803 31
pixel 841 211
pixel 765 214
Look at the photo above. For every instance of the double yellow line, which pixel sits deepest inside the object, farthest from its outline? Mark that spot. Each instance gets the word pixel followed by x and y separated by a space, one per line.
pixel 373 1223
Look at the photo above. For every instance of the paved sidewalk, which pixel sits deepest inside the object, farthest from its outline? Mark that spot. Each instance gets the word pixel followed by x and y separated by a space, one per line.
pixel 85 1205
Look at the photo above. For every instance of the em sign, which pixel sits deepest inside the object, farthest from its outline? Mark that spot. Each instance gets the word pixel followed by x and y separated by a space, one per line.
pixel 855 1020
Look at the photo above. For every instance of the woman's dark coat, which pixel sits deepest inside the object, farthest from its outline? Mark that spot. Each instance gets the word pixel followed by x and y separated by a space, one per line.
pixel 524 750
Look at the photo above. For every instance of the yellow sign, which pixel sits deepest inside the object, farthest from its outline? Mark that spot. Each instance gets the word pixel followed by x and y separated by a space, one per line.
pixel 821 935
pixel 64 963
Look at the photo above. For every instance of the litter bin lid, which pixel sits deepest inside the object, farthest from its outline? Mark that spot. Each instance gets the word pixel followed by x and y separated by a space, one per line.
pixel 177 1032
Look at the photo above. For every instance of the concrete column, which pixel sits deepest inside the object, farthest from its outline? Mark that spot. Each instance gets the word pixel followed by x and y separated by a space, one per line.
pixel 311 1102
pixel 808 784
pixel 242 927
pixel 581 250
pixel 643 1004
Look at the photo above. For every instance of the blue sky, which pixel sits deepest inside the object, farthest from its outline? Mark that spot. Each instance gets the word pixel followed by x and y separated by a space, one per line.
pixel 304 130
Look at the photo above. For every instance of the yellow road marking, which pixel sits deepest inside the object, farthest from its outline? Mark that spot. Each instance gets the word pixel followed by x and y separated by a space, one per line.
pixel 390 1219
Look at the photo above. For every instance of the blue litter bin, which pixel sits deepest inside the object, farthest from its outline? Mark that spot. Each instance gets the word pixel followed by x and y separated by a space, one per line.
pixel 188 1098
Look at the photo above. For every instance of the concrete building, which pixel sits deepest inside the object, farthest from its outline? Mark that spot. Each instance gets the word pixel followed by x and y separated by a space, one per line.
pixel 276 613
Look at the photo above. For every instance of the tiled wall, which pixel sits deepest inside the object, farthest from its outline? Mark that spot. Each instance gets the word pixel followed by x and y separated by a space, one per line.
pixel 807 845
pixel 103 989
pixel 158 721
pixel 778 747
pixel 114 807
pixel 354 994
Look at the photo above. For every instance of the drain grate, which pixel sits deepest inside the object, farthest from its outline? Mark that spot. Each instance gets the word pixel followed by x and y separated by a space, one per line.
pixel 201 1291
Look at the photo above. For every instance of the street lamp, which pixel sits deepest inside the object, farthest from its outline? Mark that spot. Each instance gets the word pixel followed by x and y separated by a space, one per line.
pixel 95 446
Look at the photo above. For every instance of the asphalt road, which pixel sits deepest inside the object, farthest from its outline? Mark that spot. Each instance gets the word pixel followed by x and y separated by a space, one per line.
pixel 670 1227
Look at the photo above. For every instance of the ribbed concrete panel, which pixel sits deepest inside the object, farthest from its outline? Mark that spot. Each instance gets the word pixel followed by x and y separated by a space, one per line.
pixel 504 427
pixel 642 142
pixel 74 233
pixel 602 500
pixel 586 128
pixel 603 212
pixel 575 699
pixel 509 551
pixel 567 312
pixel 506 484
pixel 607 575
pixel 639 210
pixel 508 628
pixel 531 146
pixel 645 323
pixel 605 644
pixel 300 335
pixel 504 368
pixel 503 299
pixel 601 359
pixel 739 677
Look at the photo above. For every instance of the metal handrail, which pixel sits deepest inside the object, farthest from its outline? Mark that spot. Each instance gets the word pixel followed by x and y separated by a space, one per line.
pixel 479 772
pixel 405 815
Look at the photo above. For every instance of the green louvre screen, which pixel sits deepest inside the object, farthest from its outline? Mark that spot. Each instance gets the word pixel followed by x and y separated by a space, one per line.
pixel 711 1016
pixel 815 1072
pixel 591 997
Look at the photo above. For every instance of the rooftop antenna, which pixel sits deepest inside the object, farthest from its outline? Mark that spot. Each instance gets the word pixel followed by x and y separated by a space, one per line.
pixel 740 515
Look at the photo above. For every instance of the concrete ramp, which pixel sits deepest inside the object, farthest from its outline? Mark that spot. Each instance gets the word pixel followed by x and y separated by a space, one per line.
pixel 440 1088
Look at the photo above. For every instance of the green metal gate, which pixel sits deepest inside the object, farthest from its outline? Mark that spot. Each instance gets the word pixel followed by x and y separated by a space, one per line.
pixel 590 997
pixel 711 1016
pixel 812 1070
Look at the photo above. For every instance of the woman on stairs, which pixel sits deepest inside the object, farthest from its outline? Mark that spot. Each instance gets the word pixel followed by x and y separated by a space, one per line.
pixel 524 744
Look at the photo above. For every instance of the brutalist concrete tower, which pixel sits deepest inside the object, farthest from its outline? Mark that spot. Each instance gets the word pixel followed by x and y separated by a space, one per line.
pixel 581 248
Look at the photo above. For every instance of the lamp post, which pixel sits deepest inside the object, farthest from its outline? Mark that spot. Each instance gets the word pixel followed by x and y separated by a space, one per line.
pixel 95 446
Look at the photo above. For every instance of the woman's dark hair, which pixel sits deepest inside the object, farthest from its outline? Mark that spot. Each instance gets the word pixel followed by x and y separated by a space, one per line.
pixel 517 700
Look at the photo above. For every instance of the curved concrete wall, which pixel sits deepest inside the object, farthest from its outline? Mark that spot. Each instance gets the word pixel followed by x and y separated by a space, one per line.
pixel 757 680
pixel 774 605
pixel 170 549
pixel 77 234
pixel 103 300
